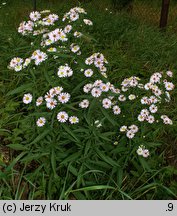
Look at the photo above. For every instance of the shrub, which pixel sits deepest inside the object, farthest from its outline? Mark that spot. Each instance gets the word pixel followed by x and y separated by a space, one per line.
pixel 72 112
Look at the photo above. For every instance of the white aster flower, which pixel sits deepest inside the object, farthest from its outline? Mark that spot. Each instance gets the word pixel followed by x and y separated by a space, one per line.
pixel 106 103
pixel 84 103
pixel 169 86
pixel 88 22
pixel 153 108
pixel 133 128
pixel 130 134
pixel 41 122
pixel 87 87
pixel 77 34
pixel 145 153
pixel 35 15
pixel 67 29
pixel 141 118
pixel 39 101
pixel 64 97
pixel 96 92
pixel 48 97
pixel 62 116
pixel 88 72
pixel 27 62
pixel 116 110
pixel 131 97
pixel 27 98
pixel 75 48
pixel 73 120
pixel 140 151
pixel 51 104
pixel 169 73
pixel 18 68
pixel 74 16
pixel 104 87
pixel 144 112
pixel 58 89
pixel 150 119
pixel 123 128
pixel 122 98
pixel 52 49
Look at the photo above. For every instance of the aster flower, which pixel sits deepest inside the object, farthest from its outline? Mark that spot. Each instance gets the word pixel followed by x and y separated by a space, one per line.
pixel 74 48
pixel 131 97
pixel 27 98
pixel 106 103
pixel 150 119
pixel 145 153
pixel 169 86
pixel 141 151
pixel 48 97
pixel 96 92
pixel 104 87
pixel 39 101
pixel 67 29
pixel 116 110
pixel 130 134
pixel 153 108
pixel 63 97
pixel 87 88
pixel 73 120
pixel 169 73
pixel 51 104
pixel 141 118
pixel 88 22
pixel 88 72
pixel 123 128
pixel 62 116
pixel 41 122
pixel 84 103
pixel 77 34
pixel 35 15
pixel 133 128
pixel 122 98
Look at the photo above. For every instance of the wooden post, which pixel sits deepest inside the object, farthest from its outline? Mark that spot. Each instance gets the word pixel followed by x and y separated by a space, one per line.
pixel 34 5
pixel 164 13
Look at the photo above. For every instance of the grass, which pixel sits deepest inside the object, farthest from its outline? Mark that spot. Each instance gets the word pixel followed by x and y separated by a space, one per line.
pixel 37 171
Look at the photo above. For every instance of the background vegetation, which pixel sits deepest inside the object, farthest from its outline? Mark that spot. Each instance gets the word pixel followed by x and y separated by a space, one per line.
pixel 133 47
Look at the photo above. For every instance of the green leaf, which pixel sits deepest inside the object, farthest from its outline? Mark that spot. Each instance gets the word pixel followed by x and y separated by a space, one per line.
pixel 31 157
pixel 53 161
pixel 90 188
pixel 69 131
pixel 17 147
pixel 40 136
pixel 105 113
pixel 20 89
pixel 107 159
pixel 72 157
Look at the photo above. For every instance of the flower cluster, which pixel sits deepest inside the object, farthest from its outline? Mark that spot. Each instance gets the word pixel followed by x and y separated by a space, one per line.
pixel 63 117
pixel 73 14
pixel 38 56
pixel 142 151
pixel 98 60
pixel 158 88
pixel 130 103
pixel 64 71
pixel 16 64
pixel 130 131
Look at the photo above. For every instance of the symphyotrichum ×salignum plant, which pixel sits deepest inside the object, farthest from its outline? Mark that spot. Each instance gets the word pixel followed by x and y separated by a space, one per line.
pixel 68 85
